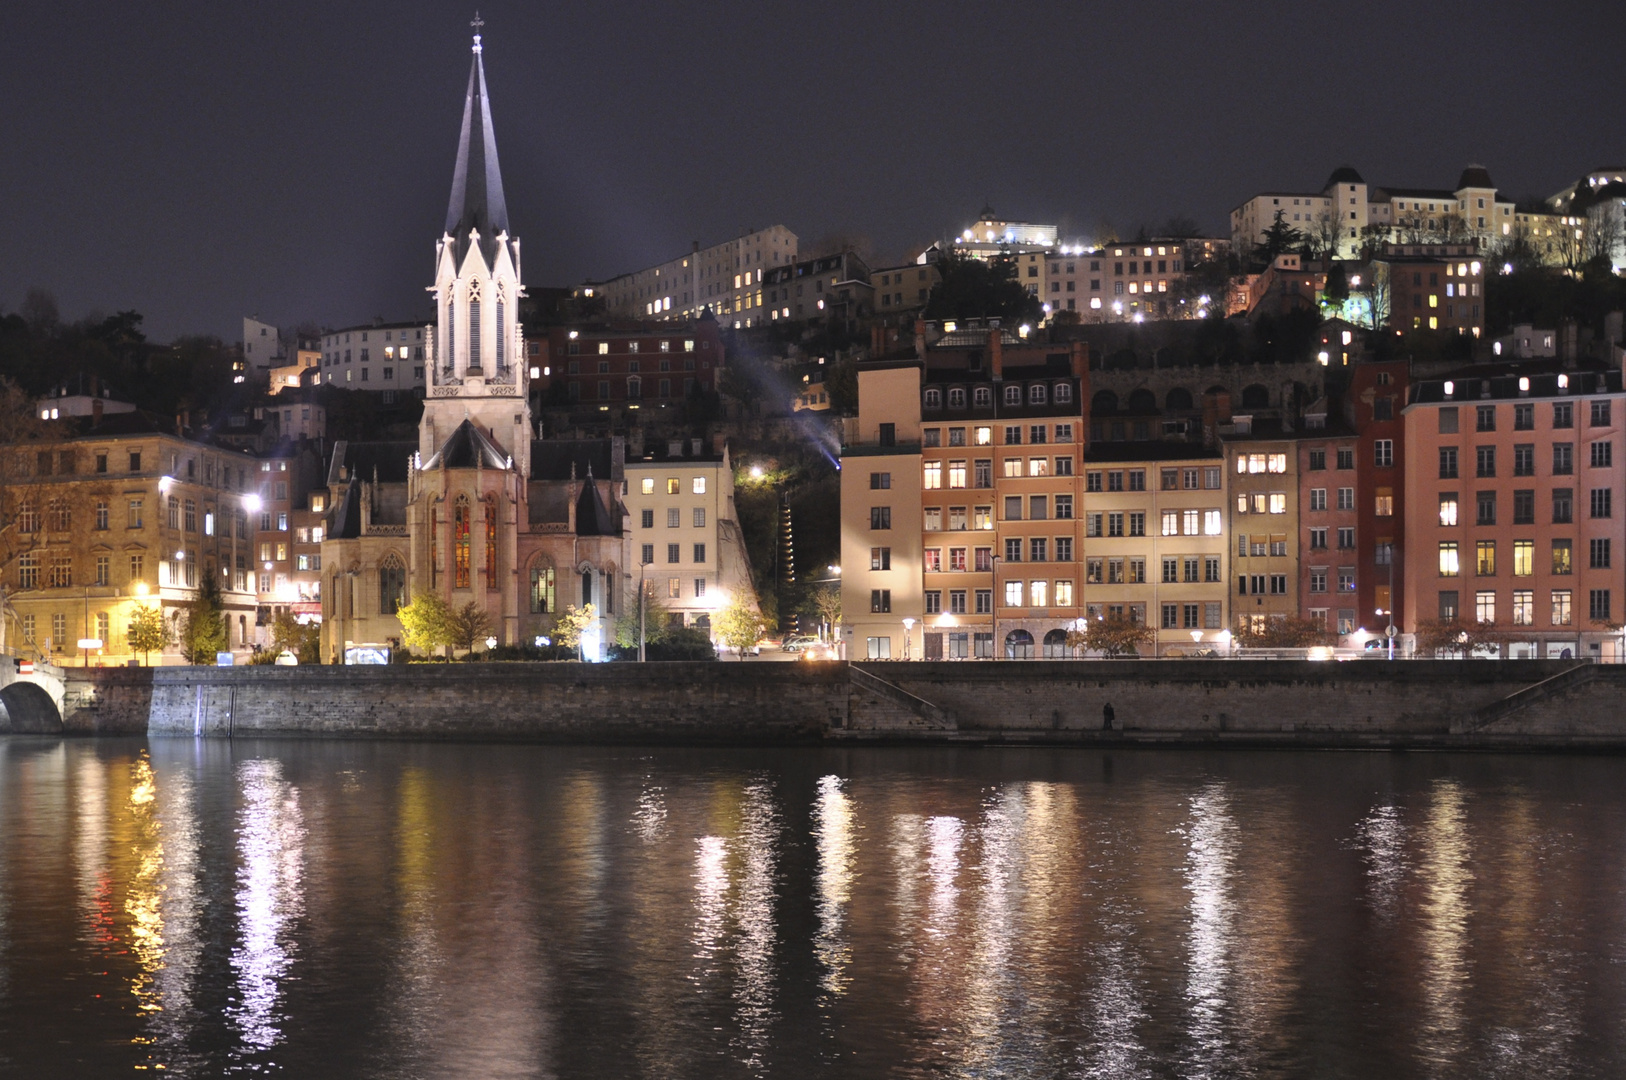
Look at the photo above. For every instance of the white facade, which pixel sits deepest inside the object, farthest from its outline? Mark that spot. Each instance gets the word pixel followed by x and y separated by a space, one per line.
pixel 725 277
pixel 378 357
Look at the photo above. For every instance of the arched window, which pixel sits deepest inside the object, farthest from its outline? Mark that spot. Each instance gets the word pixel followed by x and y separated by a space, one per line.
pixel 502 360
pixel 1178 400
pixel 474 327
pixel 1013 395
pixel 957 397
pixel 1255 397
pixel 1105 403
pixel 1142 402
pixel 587 587
pixel 391 585
pixel 1019 645
pixel 1055 645
pixel 984 397
pixel 635 388
pixel 1064 393
pixel 450 323
pixel 491 542
pixel 460 544
pixel 1036 394
pixel 542 598
pixel 934 398
pixel 434 546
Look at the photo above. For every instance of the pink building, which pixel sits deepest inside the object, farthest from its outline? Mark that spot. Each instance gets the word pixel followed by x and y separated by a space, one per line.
pixel 1514 485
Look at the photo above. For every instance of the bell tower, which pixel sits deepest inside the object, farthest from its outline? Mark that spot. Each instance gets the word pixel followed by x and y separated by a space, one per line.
pixel 476 363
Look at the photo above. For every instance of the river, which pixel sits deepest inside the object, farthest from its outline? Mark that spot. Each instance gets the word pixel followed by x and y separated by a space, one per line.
pixel 377 909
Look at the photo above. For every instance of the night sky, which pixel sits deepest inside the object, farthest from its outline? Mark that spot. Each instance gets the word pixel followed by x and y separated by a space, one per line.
pixel 203 162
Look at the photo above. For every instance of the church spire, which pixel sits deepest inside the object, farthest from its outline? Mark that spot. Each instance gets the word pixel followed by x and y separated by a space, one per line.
pixel 477 200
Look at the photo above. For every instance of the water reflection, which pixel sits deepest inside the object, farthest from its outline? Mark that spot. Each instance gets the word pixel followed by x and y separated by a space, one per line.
pixel 754 988
pixel 837 848
pixel 1381 838
pixel 1211 852
pixel 1443 924
pixel 271 852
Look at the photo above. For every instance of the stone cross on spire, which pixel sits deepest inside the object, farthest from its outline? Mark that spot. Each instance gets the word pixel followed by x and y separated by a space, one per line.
pixel 477 23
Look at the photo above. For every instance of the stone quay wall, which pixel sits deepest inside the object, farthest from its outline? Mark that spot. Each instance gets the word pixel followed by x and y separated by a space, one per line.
pixel 1492 704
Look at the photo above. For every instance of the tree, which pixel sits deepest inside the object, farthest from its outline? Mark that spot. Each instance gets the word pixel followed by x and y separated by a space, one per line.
pixel 827 602
pixel 1456 636
pixel 466 625
pixel 1287 632
pixel 656 620
pixel 569 627
pixel 979 289
pixel 1114 635
pixel 1335 291
pixel 1372 286
pixel 203 634
pixel 304 640
pixel 425 622
pixel 1280 237
pixel 740 627
pixel 148 632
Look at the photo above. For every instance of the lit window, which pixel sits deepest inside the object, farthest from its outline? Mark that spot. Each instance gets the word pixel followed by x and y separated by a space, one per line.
pixel 648 485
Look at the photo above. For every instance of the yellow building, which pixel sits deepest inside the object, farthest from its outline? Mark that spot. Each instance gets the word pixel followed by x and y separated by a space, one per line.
pixel 1154 541
pixel 116 514
pixel 1264 527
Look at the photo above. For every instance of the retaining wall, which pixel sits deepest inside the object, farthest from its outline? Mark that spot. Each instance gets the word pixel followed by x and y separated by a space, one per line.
pixel 1358 703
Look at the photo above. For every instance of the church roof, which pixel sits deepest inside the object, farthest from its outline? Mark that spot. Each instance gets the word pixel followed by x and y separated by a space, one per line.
pixel 477 200
pixel 468 448
pixel 572 459
pixel 592 516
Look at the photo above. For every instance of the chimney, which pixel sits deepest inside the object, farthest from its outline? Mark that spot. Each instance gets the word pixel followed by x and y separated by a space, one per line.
pixel 96 411
pixel 1080 353
pixel 996 354
pixel 920 339
pixel 694 447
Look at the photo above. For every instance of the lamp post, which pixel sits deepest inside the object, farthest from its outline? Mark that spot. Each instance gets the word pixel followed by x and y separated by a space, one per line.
pixel 908 636
pixel 643 566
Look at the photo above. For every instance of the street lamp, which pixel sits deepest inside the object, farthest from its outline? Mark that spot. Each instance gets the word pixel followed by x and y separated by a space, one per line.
pixel 643 567
pixel 995 590
pixel 908 636
pixel 491 643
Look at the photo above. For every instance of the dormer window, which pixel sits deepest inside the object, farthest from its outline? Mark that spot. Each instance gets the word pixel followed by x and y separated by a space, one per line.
pixel 1064 393
pixel 1036 394
pixel 957 397
pixel 984 397
pixel 1013 395
pixel 934 398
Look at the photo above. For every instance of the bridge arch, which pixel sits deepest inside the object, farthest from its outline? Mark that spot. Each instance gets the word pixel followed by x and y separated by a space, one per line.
pixel 27 709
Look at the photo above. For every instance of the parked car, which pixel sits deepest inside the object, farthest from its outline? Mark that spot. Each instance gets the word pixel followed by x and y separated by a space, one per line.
pixel 797 644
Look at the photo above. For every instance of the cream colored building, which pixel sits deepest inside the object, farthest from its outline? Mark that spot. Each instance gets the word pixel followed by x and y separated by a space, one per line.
pixel 725 277
pixel 881 550
pixel 118 514
pixel 1154 541
pixel 1263 508
pixel 685 537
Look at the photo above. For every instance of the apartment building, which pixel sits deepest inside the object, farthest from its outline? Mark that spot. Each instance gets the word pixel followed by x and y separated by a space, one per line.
pixel 960 488
pixel 1328 497
pixel 726 278
pixel 383 358
pixel 116 514
pixel 1264 512
pixel 1515 480
pixel 834 286
pixel 1154 545
pixel 288 510
pixel 628 366
pixel 901 290
pixel 685 535
pixel 1434 287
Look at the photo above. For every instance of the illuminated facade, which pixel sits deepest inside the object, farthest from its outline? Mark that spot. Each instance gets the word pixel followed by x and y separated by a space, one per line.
pixel 726 278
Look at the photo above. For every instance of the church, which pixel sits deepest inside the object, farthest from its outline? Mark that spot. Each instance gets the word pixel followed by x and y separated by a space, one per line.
pixel 478 509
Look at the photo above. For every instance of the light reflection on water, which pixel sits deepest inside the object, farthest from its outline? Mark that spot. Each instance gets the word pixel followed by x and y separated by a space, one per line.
pixel 426 911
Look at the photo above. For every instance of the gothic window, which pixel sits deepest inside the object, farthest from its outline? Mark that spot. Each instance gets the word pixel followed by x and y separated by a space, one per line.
pixel 450 323
pixel 434 546
pixel 542 598
pixel 460 544
pixel 491 542
pixel 474 328
pixel 587 587
pixel 391 585
pixel 502 359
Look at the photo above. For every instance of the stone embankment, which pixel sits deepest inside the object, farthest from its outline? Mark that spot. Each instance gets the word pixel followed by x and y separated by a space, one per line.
pixel 1419 704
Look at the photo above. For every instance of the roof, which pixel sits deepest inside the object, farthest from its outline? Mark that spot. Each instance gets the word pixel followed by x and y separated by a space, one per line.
pixel 572 459
pixel 1344 174
pixel 592 516
pixel 1115 453
pixel 1421 193
pixel 362 460
pixel 477 201
pixel 468 448
pixel 1542 384
pixel 1475 176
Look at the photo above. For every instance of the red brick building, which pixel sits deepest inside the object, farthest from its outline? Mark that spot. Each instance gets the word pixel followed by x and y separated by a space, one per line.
pixel 626 365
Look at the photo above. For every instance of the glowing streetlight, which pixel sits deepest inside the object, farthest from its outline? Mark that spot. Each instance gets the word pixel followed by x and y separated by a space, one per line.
pixel 253 503
pixel 756 472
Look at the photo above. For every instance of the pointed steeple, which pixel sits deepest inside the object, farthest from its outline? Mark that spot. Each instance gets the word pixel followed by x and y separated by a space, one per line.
pixel 477 201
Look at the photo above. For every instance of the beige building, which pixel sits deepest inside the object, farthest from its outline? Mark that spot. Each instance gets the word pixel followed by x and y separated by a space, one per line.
pixel 725 277
pixel 1264 527
pixel 385 358
pixel 1155 543
pixel 114 515
pixel 684 534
